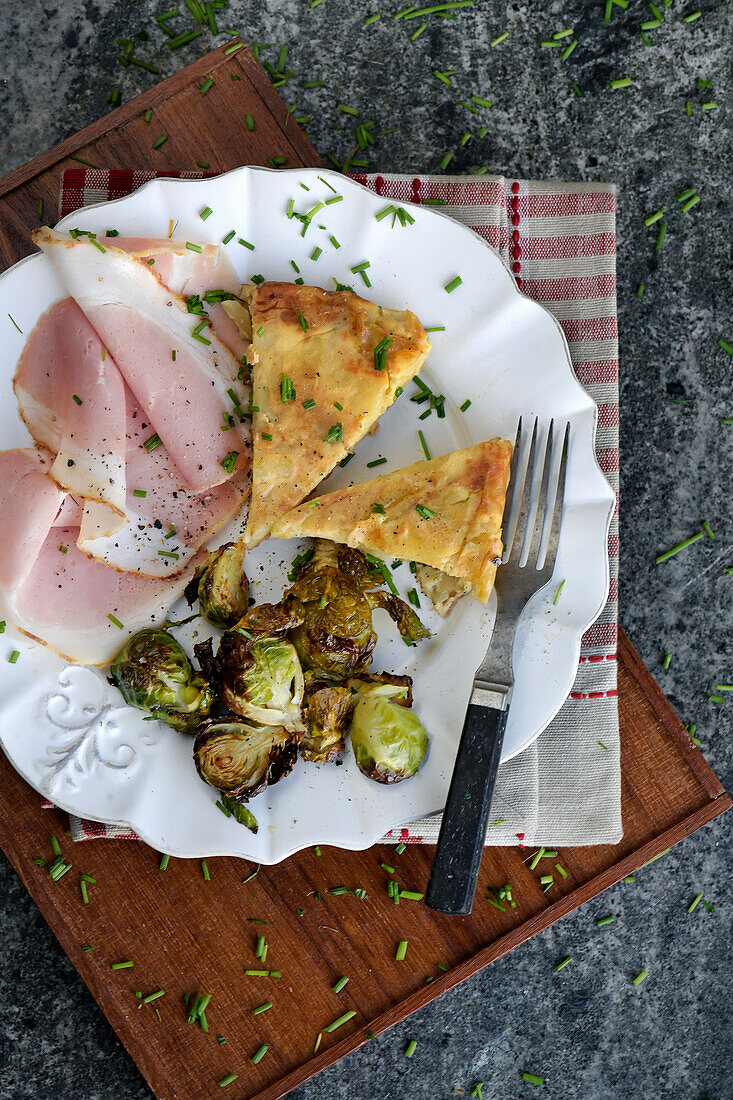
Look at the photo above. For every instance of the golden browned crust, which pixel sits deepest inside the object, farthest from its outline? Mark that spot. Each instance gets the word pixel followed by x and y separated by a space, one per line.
pixel 445 513
pixel 323 342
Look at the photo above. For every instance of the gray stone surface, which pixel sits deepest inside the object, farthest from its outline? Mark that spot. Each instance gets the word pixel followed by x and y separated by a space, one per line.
pixel 587 1030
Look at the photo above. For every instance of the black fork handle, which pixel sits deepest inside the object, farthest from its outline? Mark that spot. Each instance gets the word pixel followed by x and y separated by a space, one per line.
pixel 455 868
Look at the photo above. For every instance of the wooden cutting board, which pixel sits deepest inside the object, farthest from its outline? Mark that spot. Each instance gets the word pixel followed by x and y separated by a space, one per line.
pixel 186 935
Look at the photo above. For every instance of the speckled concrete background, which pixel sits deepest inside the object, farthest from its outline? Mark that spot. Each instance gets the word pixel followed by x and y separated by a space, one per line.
pixel 586 1030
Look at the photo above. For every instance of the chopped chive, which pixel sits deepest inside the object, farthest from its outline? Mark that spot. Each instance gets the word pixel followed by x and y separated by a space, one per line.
pixel 384 213
pixel 411 895
pixel 115 620
pixel 445 160
pixel 725 347
pixel 640 290
pixel 654 217
pixel 227 1080
pixel 680 546
pixel 604 921
pixel 378 508
pixel 372 19
pixel 564 962
pixel 16 325
pixel 661 235
pixel 333 435
pixel 453 284
pixel 401 950
pixel 376 462
pixel 423 444
pixel 691 17
pixel 230 235
pixel 339 985
pixel 193 247
pixel 262 1008
pixel 123 965
pixel 380 353
pixel 341 1020
pixel 536 858
pixel 257 973
pixel 164 861
pixel 153 996
pixel 694 903
pixel 640 977
pixel 160 141
pixel 410 1049
pixel 500 38
pixel 400 848
pixel 230 461
pixel 80 160
pixel 208 83
pixel 533 1079
pixel 205 213
pixel 426 513
pixel 139 492
pixel 621 82
pixel 309 404
pixel 334 199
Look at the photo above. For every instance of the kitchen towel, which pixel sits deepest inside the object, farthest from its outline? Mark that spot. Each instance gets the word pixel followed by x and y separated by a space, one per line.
pixel 560 242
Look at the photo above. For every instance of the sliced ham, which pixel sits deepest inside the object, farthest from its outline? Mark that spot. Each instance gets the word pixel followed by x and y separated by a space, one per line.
pixel 188 272
pixel 72 399
pixel 60 597
pixel 168 523
pixel 144 325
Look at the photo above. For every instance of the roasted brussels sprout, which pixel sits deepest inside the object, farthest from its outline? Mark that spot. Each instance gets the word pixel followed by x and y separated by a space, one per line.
pixel 396 688
pixel 389 741
pixel 331 601
pixel 260 678
pixel 240 758
pixel 327 712
pixel 153 673
pixel 334 633
pixel 269 618
pixel 221 586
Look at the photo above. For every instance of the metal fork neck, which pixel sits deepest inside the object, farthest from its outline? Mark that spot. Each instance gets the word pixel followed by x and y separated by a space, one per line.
pixel 490 695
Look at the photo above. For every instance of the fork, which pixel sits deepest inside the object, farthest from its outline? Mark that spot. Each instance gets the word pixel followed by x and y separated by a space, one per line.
pixel 532 528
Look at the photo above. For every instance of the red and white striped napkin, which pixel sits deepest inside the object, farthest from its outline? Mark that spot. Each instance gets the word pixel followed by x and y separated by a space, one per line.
pixel 560 239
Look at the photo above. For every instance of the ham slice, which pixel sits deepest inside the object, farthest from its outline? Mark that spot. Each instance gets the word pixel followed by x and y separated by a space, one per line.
pixel 72 399
pixel 182 381
pixel 168 523
pixel 60 597
pixel 187 273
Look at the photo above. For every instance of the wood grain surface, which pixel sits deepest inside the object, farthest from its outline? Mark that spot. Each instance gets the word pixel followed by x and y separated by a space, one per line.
pixel 186 935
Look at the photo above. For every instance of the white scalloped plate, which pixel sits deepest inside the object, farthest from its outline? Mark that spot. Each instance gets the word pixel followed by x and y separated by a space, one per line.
pixel 66 730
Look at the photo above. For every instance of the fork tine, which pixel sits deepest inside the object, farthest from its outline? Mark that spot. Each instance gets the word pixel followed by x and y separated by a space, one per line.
pixel 520 463
pixel 535 491
pixel 535 533
pixel 555 502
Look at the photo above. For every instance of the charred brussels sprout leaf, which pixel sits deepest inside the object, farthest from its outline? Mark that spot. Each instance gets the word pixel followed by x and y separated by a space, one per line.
pixel 268 618
pixel 260 678
pixel 241 759
pixel 402 615
pixel 153 673
pixel 389 741
pixel 239 812
pixel 396 688
pixel 222 587
pixel 327 713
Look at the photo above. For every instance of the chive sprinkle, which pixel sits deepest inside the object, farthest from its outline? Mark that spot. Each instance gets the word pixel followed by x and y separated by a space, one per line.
pixel 500 38
pixel 115 620
pixel 640 977
pixel 564 962
pixel 208 83
pixel 302 321
pixel 661 235
pixel 621 82
pixel 423 444
pixel 680 546
pixel 339 985
pixel 193 247
pixel 694 903
pixel 654 217
pixel 374 462
pixel 453 284
pixel 123 965
pixel 533 1079
pixel 708 530
pixel 262 1008
pixel 401 950
pixel 160 141
pixel 16 325
pixel 164 861
pixel 227 1080
pixel 410 1049
pixel 604 921
pixel 205 871
pixel 205 213
pixel 341 1020
pixel 333 435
